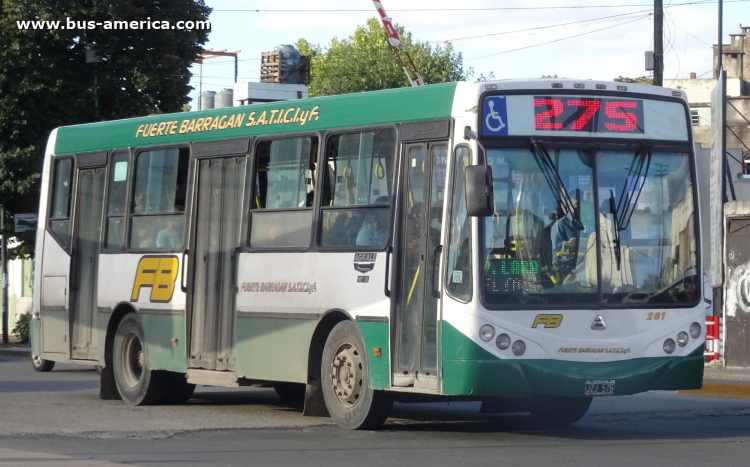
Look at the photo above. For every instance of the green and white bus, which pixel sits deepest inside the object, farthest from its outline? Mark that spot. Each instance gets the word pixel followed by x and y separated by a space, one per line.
pixel 529 244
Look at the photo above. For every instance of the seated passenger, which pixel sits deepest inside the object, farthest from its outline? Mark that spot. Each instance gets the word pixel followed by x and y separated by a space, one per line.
pixel 375 230
pixel 564 235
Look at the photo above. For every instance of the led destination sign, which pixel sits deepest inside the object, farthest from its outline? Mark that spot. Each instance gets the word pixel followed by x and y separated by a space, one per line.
pixel 588 114
pixel 584 116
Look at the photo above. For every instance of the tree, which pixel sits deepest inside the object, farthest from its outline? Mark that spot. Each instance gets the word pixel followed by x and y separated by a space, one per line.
pixel 366 62
pixel 638 80
pixel 45 81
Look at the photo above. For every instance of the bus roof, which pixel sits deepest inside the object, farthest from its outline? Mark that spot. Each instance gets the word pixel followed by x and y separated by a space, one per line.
pixel 323 113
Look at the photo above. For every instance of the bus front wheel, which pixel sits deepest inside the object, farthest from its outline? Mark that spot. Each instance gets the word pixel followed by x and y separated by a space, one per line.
pixel 41 364
pixel 344 380
pixel 558 411
pixel 136 383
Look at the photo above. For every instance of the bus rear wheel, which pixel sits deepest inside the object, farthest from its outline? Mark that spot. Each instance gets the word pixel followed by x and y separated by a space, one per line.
pixel 136 382
pixel 41 365
pixel 344 380
pixel 558 411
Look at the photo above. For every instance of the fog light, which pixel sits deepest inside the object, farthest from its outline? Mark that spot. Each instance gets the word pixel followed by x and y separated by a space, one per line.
pixel 695 330
pixel 669 346
pixel 682 339
pixel 503 341
pixel 486 333
pixel 518 348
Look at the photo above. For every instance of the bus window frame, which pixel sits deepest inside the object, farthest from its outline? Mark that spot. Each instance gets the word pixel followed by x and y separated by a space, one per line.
pixel 71 201
pixel 128 194
pixel 323 161
pixel 135 152
pixel 246 228
pixel 589 145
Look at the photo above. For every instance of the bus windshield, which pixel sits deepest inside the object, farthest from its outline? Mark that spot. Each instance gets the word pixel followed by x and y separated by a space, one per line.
pixel 557 210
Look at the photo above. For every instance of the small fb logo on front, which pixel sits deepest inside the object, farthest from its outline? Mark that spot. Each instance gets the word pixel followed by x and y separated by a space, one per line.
pixel 549 321
pixel 157 273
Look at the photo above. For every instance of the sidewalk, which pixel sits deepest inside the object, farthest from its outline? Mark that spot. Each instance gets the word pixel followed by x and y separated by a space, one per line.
pixel 729 382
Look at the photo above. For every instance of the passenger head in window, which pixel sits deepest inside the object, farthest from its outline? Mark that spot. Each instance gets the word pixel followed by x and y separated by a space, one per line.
pixel 374 232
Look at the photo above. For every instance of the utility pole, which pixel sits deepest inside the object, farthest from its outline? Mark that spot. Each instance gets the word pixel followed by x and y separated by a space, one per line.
pixel 720 56
pixel 658 43
pixel 4 274
pixel 211 53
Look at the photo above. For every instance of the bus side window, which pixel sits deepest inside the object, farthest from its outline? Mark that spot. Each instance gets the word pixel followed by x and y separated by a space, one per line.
pixel 283 193
pixel 118 187
pixel 59 218
pixel 158 207
pixel 459 280
pixel 357 189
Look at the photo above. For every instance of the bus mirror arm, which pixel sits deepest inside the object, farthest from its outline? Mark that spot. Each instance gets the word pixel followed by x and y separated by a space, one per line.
pixel 435 253
pixel 480 200
pixel 183 286
pixel 388 253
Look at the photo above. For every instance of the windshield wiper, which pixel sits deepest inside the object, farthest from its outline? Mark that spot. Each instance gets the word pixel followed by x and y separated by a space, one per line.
pixel 637 172
pixel 556 185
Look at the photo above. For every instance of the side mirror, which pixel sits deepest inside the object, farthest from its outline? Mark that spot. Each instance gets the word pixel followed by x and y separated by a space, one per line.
pixel 479 197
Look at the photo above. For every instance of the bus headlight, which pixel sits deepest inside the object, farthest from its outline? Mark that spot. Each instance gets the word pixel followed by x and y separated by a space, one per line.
pixel 682 339
pixel 502 341
pixel 486 333
pixel 519 347
pixel 695 330
pixel 669 346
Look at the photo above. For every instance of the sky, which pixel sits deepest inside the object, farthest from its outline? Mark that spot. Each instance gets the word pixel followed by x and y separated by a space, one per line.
pixel 584 39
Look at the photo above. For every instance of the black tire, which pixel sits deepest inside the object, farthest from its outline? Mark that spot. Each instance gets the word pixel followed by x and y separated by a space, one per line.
pixel 344 381
pixel 558 411
pixel 290 392
pixel 41 365
pixel 179 391
pixel 136 383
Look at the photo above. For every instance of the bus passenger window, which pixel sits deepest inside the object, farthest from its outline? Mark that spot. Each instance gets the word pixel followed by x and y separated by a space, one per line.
pixel 118 187
pixel 158 207
pixel 357 188
pixel 284 193
pixel 59 218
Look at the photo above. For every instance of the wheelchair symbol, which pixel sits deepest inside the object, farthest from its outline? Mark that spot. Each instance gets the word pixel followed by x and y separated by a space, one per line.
pixel 494 116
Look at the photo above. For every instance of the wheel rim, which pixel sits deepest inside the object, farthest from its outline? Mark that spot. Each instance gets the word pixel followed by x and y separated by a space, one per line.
pixel 37 360
pixel 132 359
pixel 346 375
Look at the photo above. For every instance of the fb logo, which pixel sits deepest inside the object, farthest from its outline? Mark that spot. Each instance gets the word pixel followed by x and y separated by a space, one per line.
pixel 549 321
pixel 158 273
pixel 495 116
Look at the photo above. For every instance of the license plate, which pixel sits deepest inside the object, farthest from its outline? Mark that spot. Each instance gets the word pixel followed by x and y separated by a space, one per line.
pixel 600 388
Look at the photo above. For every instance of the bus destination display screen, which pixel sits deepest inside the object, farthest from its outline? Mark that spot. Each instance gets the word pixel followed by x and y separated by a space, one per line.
pixel 588 114
pixel 509 275
pixel 583 116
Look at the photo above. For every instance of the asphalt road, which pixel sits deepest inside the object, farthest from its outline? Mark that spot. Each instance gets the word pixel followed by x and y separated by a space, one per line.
pixel 57 419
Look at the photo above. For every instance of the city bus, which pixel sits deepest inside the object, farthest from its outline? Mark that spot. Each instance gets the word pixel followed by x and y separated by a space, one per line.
pixel 529 244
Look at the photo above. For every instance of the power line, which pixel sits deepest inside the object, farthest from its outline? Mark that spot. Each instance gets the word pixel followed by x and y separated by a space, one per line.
pixel 558 40
pixel 570 7
pixel 544 27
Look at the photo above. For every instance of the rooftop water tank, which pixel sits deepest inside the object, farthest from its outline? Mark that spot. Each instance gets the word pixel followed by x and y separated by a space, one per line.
pixel 289 57
pixel 224 99
pixel 207 100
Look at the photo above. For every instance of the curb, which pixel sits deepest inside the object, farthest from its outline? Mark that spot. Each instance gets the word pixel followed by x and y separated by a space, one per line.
pixel 723 390
pixel 15 352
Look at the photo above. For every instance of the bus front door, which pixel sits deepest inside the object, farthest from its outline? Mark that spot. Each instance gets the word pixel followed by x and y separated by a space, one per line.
pixel 215 236
pixel 419 244
pixel 85 262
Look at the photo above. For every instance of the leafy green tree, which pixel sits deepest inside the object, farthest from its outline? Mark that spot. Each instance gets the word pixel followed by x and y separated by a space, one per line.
pixel 45 81
pixel 365 62
pixel 638 80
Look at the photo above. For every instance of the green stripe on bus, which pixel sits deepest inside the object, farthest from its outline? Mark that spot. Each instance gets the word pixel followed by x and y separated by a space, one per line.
pixel 369 108
pixel 469 370
pixel 375 336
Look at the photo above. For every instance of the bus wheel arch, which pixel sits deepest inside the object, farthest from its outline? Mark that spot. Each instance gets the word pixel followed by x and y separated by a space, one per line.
pixel 314 402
